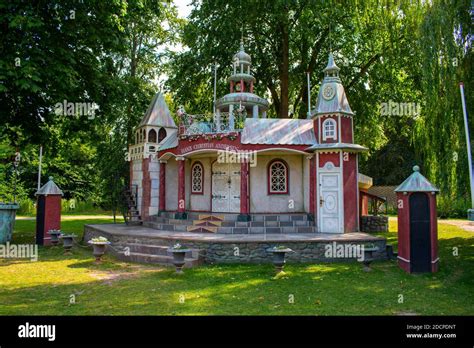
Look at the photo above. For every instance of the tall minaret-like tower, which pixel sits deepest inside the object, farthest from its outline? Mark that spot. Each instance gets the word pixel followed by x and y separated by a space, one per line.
pixel 336 156
pixel 241 96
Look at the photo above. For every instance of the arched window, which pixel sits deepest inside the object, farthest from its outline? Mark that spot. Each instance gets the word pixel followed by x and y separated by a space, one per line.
pixel 197 178
pixel 329 129
pixel 152 136
pixel 161 134
pixel 277 177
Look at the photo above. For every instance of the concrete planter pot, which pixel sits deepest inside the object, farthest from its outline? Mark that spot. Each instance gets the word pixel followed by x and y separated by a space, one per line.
pixel 368 257
pixel 54 236
pixel 68 241
pixel 7 221
pixel 179 258
pixel 98 250
pixel 279 255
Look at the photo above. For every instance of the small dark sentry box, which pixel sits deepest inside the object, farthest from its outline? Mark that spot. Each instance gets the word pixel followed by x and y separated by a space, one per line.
pixel 48 211
pixel 417 224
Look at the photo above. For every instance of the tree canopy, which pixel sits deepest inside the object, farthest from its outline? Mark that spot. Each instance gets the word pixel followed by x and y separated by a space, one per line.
pixel 113 54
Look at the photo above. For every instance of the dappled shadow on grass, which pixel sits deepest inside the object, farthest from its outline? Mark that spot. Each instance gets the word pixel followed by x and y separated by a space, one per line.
pixel 250 289
pixel 242 290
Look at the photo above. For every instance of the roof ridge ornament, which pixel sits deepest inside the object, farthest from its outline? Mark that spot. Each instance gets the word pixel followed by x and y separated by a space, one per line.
pixel 331 67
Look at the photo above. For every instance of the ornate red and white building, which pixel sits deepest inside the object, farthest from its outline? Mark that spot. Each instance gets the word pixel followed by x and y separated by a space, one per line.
pixel 239 161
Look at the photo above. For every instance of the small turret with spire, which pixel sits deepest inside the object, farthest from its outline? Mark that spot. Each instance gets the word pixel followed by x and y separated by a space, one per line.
pixel 333 112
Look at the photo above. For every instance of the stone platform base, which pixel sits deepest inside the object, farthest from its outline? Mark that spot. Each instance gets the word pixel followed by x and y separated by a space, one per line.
pixel 148 245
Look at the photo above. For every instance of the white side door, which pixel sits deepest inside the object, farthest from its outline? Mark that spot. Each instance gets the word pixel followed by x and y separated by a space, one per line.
pixel 330 210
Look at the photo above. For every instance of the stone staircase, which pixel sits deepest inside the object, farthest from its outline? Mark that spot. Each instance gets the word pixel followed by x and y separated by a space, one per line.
pixel 153 251
pixel 228 224
pixel 130 210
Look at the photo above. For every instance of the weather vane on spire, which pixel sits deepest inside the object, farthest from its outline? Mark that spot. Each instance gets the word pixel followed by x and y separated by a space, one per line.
pixel 330 41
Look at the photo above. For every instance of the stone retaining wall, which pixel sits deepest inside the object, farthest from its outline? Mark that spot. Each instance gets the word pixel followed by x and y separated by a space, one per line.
pixel 241 252
pixel 374 223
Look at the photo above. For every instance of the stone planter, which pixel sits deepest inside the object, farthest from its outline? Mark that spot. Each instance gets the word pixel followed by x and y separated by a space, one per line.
pixel 54 236
pixel 68 241
pixel 98 250
pixel 279 257
pixel 7 221
pixel 179 258
pixel 368 257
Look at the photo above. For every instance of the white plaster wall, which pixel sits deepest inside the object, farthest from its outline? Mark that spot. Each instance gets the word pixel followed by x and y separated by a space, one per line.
pixel 137 176
pixel 171 184
pixel 202 202
pixel 261 201
pixel 187 183
pixel 154 169
pixel 306 184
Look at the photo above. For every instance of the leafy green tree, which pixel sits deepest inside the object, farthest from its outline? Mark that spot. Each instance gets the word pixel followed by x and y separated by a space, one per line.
pixel 445 49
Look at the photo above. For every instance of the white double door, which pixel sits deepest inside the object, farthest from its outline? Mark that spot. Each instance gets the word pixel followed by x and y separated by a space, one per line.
pixel 226 187
pixel 331 214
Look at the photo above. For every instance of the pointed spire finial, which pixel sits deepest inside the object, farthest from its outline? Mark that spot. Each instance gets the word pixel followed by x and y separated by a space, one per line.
pixel 331 67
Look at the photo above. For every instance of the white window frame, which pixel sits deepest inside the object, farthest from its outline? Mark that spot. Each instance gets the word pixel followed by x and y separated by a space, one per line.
pixel 327 133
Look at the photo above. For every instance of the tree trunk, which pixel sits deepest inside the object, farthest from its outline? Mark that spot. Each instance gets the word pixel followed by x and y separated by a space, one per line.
pixel 284 67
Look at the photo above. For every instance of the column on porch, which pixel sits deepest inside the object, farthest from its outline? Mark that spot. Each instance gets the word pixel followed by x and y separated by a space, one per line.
pixel 217 120
pixel 162 193
pixel 231 117
pixel 255 111
pixel 312 186
pixel 244 202
pixel 181 211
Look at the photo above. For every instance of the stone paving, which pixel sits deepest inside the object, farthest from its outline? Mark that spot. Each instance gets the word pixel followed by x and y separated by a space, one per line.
pixel 141 231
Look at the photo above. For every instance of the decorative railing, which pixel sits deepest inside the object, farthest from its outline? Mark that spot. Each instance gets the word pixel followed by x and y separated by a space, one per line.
pixel 140 151
pixel 211 124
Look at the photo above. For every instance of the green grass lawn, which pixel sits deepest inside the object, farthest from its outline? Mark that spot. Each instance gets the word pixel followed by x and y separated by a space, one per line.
pixel 117 288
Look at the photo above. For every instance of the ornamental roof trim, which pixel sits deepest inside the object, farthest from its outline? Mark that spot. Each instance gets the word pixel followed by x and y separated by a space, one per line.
pixel 337 146
pixel 244 97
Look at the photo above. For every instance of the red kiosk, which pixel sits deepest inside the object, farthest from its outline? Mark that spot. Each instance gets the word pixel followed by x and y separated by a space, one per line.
pixel 417 224
pixel 48 211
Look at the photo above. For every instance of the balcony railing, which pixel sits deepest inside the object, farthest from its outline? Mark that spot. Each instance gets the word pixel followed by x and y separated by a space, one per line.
pixel 210 124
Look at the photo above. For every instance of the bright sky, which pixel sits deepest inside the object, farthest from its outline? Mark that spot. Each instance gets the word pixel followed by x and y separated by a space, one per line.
pixel 184 7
